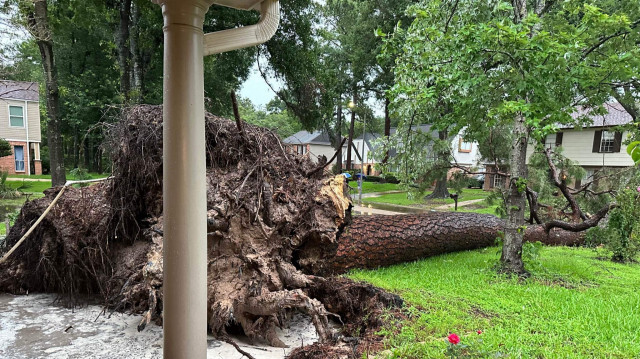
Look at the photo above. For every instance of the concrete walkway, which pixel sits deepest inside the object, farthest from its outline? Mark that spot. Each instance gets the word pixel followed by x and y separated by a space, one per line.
pixel 28 179
pixel 371 211
pixel 34 327
pixel 460 204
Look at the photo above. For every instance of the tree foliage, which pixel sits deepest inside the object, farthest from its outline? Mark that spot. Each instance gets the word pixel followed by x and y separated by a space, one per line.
pixel 523 65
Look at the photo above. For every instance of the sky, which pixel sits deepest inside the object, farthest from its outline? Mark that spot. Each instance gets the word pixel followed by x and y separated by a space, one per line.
pixel 257 90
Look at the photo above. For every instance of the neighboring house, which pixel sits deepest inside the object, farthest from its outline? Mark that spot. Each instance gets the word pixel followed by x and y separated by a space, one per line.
pixel 595 146
pixel 360 156
pixel 465 154
pixel 20 126
pixel 312 144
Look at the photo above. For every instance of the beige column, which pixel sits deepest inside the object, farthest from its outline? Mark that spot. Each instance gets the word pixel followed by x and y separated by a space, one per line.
pixel 184 186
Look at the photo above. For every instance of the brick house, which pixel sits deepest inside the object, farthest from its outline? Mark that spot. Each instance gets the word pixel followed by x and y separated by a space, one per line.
pixel 20 126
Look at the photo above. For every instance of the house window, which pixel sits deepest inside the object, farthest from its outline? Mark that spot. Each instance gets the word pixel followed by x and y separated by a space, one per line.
pixel 464 146
pixel 18 152
pixel 497 181
pixel 301 149
pixel 607 141
pixel 16 116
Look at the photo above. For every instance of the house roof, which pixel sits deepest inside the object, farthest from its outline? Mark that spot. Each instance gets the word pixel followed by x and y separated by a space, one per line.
pixel 615 116
pixel 423 128
pixel 368 138
pixel 305 137
pixel 18 90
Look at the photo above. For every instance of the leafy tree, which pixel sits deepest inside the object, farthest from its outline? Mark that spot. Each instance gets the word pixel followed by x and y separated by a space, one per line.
pixel 525 65
pixel 276 117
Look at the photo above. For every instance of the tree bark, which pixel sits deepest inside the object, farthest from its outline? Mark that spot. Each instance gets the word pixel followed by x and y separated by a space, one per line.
pixel 375 241
pixel 387 128
pixel 124 53
pixel 511 258
pixel 351 130
pixel 441 191
pixel 135 52
pixel 39 28
pixel 87 153
pixel 76 147
pixel 338 139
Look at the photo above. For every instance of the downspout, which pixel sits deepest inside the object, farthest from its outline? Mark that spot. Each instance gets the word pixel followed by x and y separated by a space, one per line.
pixel 26 125
pixel 246 36
pixel 184 165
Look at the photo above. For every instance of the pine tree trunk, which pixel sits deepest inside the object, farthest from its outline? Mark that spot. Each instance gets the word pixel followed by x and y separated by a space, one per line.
pixel 387 127
pixel 87 154
pixel 76 147
pixel 338 142
pixel 39 28
pixel 516 202
pixel 135 51
pixel 376 241
pixel 124 55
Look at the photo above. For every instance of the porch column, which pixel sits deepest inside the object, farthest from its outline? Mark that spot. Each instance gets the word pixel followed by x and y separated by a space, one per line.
pixel 184 186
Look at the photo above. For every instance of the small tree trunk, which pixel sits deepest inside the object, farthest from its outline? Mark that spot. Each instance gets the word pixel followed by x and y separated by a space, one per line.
pixel 441 190
pixel 351 130
pixel 76 147
pixel 39 28
pixel 87 154
pixel 387 128
pixel 338 139
pixel 511 259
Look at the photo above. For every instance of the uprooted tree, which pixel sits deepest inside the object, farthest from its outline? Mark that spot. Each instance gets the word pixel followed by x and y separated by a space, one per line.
pixel 276 226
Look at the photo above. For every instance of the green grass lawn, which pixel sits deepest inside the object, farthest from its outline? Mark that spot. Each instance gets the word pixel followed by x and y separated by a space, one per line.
pixel 402 198
pixel 369 187
pixel 574 306
pixel 29 186
pixel 91 175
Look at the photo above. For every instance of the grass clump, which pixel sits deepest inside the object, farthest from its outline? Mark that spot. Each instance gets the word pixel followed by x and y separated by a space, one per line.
pixel 574 306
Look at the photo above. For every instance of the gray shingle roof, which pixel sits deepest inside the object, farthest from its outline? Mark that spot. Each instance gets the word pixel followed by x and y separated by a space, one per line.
pixel 19 90
pixel 616 116
pixel 305 137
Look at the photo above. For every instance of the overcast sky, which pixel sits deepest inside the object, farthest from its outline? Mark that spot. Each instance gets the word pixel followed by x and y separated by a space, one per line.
pixel 257 90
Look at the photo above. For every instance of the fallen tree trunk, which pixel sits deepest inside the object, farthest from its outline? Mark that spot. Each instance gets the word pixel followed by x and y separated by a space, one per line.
pixel 376 241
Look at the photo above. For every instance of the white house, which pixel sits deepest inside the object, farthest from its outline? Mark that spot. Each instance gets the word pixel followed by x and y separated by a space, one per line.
pixel 597 145
pixel 312 144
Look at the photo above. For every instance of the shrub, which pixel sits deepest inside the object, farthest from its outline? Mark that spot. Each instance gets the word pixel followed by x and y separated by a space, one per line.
pixel 391 177
pixel 621 234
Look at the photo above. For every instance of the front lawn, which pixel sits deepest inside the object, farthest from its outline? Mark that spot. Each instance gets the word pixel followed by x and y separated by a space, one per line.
pixel 574 306
pixel 29 186
pixel 402 198
pixel 369 187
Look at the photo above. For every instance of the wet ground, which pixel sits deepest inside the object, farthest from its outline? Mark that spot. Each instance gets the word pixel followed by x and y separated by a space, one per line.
pixel 33 327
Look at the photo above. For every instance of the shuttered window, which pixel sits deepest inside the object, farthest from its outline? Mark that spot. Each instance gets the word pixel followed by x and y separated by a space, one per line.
pixel 607 141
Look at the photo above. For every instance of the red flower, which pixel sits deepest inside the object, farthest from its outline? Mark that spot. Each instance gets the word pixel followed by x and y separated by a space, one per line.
pixel 453 338
pixel 479 332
